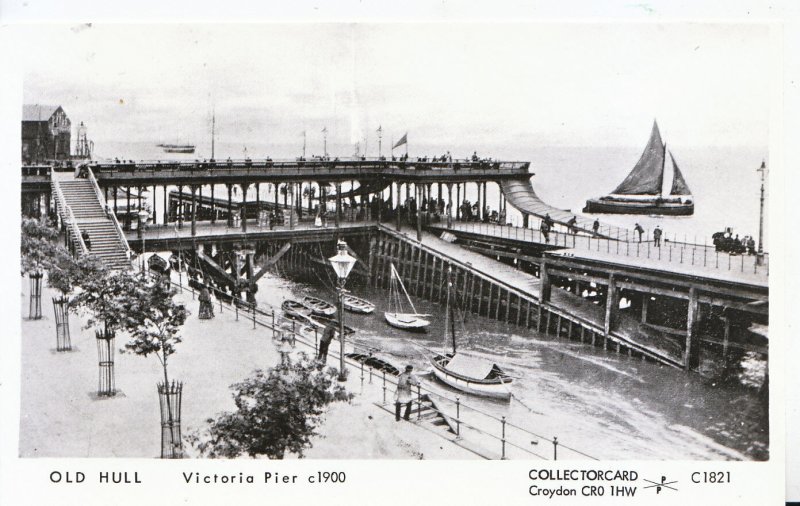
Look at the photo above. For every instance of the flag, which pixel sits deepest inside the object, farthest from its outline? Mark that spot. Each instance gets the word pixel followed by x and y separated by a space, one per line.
pixel 325 130
pixel 380 129
pixel 403 140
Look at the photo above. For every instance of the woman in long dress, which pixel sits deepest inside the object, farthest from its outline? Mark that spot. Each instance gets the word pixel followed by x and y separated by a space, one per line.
pixel 206 307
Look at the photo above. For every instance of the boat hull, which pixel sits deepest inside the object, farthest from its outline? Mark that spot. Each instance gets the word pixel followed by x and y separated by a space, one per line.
pixel 356 305
pixel 406 321
pixel 497 388
pixel 319 306
pixel 602 206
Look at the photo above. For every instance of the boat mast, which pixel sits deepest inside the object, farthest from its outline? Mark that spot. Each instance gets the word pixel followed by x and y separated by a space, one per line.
pixel 213 125
pixel 450 313
pixel 408 297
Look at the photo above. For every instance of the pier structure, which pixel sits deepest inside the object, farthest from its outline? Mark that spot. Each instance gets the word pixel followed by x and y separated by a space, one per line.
pixel 408 213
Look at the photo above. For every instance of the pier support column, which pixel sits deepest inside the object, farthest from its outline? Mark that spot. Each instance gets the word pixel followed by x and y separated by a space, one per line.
pixel 691 352
pixel 180 206
pixel 544 294
pixel 338 204
pixel 213 206
pixel 484 217
pixel 726 336
pixel 166 205
pixel 450 205
pixel 230 204
pixel 128 208
pixel 612 306
pixel 458 201
pixel 245 187
pixel 418 190
pixel 399 202
pixel 645 302
pixel 193 189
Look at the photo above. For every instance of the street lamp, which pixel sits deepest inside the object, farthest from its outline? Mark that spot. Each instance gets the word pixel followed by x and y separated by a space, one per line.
pixel 342 264
pixel 143 217
pixel 760 254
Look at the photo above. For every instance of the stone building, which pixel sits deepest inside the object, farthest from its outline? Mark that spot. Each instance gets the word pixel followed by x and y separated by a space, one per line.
pixel 46 131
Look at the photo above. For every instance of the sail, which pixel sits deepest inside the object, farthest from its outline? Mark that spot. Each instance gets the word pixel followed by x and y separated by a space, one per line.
pixel 648 173
pixel 679 186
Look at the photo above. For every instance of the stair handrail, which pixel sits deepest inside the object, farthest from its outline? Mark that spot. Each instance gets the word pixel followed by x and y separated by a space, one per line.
pixel 70 218
pixel 113 216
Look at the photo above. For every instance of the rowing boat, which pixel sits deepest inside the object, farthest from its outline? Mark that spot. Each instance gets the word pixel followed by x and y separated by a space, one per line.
pixel 319 306
pixel 357 305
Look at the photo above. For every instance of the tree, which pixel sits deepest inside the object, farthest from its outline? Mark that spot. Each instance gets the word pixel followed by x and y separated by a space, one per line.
pixel 102 295
pixel 147 311
pixel 276 412
pixel 37 244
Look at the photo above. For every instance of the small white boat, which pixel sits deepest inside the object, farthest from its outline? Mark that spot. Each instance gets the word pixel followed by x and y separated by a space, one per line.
pixel 465 372
pixel 357 305
pixel 398 318
pixel 319 306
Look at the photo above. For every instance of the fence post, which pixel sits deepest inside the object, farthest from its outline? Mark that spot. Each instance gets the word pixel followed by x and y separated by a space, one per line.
pixel 254 316
pixel 384 387
pixel 503 439
pixel 419 402
pixel 236 307
pixel 362 374
pixel 458 417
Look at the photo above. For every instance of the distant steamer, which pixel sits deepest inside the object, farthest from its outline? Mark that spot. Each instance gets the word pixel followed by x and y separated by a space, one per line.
pixel 177 148
pixel 640 192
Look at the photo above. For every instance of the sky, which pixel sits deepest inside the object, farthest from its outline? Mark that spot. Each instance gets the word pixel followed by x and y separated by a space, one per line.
pixel 561 84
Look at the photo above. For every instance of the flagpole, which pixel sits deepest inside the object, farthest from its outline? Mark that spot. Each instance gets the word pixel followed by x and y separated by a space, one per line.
pixel 304 144
pixel 380 132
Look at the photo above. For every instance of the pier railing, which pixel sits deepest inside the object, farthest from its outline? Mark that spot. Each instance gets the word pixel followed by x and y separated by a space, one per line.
pixel 71 223
pixel 508 438
pixel 671 251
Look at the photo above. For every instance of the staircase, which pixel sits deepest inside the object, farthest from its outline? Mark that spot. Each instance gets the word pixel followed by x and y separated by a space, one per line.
pixel 81 197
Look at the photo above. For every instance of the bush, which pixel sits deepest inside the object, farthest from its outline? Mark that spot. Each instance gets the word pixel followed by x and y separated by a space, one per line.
pixel 276 412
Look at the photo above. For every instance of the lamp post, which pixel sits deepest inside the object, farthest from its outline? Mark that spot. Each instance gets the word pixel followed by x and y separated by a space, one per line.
pixel 342 264
pixel 143 217
pixel 760 254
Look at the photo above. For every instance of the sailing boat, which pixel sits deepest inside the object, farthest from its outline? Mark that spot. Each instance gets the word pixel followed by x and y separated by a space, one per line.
pixel 468 373
pixel 640 192
pixel 397 318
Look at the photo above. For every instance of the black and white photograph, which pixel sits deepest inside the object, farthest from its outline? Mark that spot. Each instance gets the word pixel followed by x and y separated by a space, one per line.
pixel 541 242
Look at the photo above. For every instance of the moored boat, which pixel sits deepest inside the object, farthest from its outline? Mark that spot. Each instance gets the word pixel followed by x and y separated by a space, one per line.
pixel 398 318
pixel 465 372
pixel 374 362
pixel 295 310
pixel 321 322
pixel 357 304
pixel 641 191
pixel 319 306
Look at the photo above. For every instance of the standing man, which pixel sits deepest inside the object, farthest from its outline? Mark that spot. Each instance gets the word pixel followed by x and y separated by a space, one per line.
pixel 325 342
pixel 572 225
pixel 596 226
pixel 404 395
pixel 545 229
pixel 657 236
pixel 638 228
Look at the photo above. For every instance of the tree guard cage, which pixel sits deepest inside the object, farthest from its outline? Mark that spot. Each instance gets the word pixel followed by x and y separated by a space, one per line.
pixel 61 310
pixel 35 308
pixel 106 386
pixel 169 396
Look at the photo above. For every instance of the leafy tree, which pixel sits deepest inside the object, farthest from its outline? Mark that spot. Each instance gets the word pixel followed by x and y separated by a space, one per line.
pixel 65 273
pixel 276 412
pixel 102 295
pixel 38 241
pixel 147 311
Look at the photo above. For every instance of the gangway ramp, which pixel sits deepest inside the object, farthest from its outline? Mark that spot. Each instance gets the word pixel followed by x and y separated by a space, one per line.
pixel 521 195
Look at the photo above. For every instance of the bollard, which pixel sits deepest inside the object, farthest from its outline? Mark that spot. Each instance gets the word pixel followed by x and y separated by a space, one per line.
pixel 458 417
pixel 503 439
pixel 555 448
